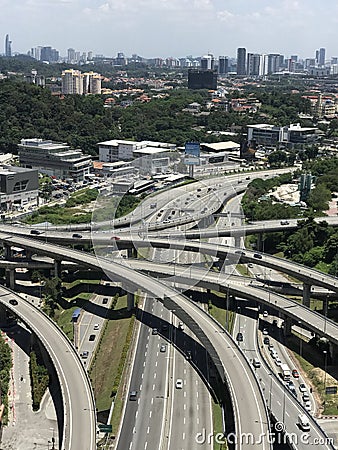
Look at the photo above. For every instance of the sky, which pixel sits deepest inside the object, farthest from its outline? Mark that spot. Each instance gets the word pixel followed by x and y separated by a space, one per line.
pixel 162 28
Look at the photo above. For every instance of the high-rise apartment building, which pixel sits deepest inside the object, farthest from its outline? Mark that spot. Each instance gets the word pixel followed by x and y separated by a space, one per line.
pixel 75 82
pixel 208 62
pixel 70 56
pixel 241 61
pixel 92 83
pixel 72 82
pixel 223 65
pixel 252 65
pixel 8 46
pixel 275 61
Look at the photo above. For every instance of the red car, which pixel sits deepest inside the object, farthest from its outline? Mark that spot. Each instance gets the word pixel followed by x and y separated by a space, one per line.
pixel 295 373
pixel 115 238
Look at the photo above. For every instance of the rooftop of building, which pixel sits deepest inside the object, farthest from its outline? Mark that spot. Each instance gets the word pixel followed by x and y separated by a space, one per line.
pixel 221 146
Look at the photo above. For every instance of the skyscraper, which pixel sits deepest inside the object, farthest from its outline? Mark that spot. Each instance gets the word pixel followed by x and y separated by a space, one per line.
pixel 223 65
pixel 321 58
pixel 8 46
pixel 241 61
pixel 207 62
pixel 253 63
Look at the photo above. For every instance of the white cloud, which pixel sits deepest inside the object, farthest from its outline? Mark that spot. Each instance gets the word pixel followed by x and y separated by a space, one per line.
pixel 225 16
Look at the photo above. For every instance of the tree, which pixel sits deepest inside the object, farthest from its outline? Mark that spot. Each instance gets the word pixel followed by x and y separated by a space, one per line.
pixel 319 198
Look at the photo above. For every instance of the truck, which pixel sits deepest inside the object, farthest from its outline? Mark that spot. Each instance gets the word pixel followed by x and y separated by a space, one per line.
pixel 303 422
pixel 286 372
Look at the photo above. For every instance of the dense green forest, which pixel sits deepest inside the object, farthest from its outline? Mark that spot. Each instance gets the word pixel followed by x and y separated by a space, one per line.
pixel 83 121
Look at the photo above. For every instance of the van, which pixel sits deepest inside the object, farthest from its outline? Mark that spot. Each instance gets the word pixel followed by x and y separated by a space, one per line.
pixel 256 363
pixel 303 422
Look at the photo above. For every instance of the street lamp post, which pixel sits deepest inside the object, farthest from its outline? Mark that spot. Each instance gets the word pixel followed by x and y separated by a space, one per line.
pixel 300 341
pixel 325 370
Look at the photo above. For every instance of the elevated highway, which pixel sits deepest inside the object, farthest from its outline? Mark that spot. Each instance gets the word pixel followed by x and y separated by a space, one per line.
pixel 79 423
pixel 249 406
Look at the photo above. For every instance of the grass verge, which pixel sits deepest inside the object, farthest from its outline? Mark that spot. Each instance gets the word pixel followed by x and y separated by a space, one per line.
pixel 217 423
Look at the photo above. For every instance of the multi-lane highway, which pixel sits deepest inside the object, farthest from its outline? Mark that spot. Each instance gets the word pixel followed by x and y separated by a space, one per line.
pixel 249 407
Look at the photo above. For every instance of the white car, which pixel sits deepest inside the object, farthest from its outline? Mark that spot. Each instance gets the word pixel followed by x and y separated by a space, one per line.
pixel 278 362
pixel 302 387
pixel 265 314
pixel 179 383
pixel 96 326
pixel 307 406
pixel 265 331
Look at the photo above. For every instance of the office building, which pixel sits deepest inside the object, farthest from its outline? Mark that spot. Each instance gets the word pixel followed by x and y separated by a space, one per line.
pixel 122 150
pixel 71 56
pixel 8 46
pixel 54 159
pixel 223 65
pixel 241 61
pixel 18 187
pixel 202 79
pixel 265 134
pixel 49 54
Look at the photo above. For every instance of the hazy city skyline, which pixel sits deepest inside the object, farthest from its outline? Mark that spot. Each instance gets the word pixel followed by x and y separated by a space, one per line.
pixel 160 28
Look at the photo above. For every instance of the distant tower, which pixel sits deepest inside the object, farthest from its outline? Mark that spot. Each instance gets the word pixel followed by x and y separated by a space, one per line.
pixel 8 46
pixel 321 60
pixel 241 60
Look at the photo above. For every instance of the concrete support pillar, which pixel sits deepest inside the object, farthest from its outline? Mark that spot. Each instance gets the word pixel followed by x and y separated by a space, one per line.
pixel 57 268
pixel 287 326
pixel 3 315
pixel 12 279
pixel 7 251
pixel 306 294
pixel 29 254
pixel 260 242
pixel 130 301
pixel 237 241
pixel 333 352
pixel 130 252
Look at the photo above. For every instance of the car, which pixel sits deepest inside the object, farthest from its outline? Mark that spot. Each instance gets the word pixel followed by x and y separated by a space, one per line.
pixel 284 222
pixel 181 325
pixel 275 322
pixel 278 362
pixel 164 326
pixel 302 387
pixel 133 395
pixel 154 331
pixel 188 355
pixel 274 354
pixel 308 406
pixel 239 252
pixel 247 178
pixel 258 256
pixel 266 340
pixel 250 265
pixel 92 337
pixel 77 235
pixel 13 302
pixel 295 373
pixel 104 300
pixel 179 383
pixel 239 337
pixel 163 348
pixel 36 232
pixel 84 354
pixel 115 238
pixel 265 314
pixel 265 331
pixel 96 326
pixel 305 397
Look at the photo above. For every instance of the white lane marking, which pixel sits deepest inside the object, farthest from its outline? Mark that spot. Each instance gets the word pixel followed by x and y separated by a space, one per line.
pixel 150 413
pixel 153 387
pixel 183 436
pixel 130 445
pixel 154 375
pixel 152 400
pixel 134 430
pixel 136 414
pixel 148 429
pixel 156 364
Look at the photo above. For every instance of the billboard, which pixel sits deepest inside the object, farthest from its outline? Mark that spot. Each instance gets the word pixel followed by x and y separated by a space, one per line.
pixel 192 153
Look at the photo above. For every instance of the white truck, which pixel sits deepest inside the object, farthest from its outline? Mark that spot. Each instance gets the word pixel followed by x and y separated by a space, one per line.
pixel 286 372
pixel 303 422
